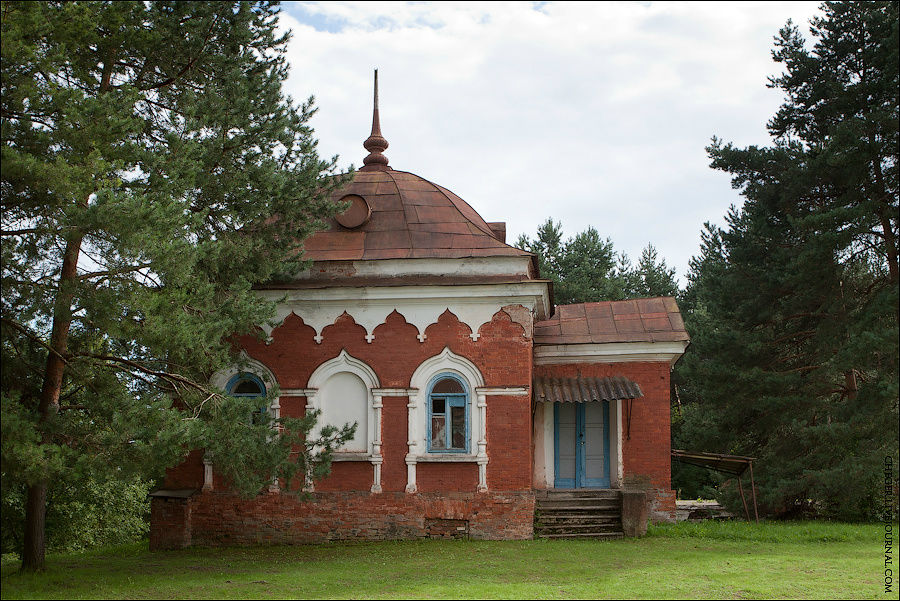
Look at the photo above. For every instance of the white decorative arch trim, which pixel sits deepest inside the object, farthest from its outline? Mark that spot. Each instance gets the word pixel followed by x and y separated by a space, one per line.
pixel 343 362
pixel 219 380
pixel 446 362
pixel 346 363
pixel 245 364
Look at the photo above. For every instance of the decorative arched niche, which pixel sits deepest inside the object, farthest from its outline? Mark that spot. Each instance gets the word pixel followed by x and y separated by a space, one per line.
pixel 341 389
pixel 446 364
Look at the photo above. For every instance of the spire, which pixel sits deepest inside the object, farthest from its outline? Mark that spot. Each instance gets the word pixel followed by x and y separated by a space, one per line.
pixel 375 143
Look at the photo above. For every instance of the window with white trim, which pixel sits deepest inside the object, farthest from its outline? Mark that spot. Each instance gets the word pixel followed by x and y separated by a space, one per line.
pixel 426 376
pixel 448 415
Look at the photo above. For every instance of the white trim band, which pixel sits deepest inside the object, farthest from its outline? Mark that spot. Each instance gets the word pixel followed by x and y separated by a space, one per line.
pixel 612 352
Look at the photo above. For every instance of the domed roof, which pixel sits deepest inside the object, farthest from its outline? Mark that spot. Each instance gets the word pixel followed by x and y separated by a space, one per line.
pixel 399 215
pixel 409 218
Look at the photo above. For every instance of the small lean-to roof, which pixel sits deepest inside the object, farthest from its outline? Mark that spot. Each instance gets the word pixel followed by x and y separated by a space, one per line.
pixel 727 464
pixel 639 320
pixel 584 389
pixel 411 218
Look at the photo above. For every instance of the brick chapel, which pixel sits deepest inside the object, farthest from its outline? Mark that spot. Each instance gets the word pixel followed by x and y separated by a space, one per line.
pixel 483 409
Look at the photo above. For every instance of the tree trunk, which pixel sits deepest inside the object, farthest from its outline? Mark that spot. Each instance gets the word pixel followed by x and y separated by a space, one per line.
pixel 35 514
pixel 36 508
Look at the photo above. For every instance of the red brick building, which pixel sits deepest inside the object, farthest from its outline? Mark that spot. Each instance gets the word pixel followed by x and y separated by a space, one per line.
pixel 473 394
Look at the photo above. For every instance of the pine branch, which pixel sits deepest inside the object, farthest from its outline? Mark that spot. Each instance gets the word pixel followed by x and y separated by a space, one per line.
pixel 24 330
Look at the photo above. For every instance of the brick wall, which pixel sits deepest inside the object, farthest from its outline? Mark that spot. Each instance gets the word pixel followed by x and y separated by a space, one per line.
pixel 646 455
pixel 170 523
pixel 344 506
pixel 219 518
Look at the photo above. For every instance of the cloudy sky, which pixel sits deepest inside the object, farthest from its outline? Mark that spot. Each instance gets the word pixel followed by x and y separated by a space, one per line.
pixel 590 113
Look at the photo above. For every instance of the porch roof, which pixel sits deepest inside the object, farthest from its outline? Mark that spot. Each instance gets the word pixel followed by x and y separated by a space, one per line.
pixel 582 390
pixel 638 320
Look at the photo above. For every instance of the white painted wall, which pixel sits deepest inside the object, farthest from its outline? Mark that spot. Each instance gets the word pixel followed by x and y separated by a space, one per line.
pixel 345 400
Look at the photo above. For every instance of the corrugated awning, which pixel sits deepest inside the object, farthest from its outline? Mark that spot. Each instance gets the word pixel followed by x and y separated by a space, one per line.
pixel 583 390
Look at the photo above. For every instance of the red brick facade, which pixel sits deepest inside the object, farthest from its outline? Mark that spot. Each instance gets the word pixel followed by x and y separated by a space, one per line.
pixel 217 518
pixel 343 506
pixel 446 502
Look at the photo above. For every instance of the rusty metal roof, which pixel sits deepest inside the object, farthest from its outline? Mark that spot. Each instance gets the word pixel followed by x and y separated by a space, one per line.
pixel 411 218
pixel 639 320
pixel 583 390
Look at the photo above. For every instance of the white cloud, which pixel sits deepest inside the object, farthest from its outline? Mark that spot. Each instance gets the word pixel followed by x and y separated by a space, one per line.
pixel 590 113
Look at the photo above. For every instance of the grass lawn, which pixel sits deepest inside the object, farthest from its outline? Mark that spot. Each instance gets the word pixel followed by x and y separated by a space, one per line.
pixel 707 560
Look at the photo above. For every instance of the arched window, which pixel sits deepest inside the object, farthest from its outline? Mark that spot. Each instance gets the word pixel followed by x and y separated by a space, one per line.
pixel 245 385
pixel 249 386
pixel 448 415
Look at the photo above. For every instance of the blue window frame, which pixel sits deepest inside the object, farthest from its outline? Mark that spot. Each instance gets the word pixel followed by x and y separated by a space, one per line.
pixel 448 415
pixel 248 386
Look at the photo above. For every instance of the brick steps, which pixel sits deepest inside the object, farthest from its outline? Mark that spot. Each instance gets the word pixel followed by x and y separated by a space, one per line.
pixel 578 514
pixel 584 507
pixel 574 518
pixel 591 535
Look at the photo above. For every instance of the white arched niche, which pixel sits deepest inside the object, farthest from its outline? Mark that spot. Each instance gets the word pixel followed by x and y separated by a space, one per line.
pixel 341 389
pixel 447 362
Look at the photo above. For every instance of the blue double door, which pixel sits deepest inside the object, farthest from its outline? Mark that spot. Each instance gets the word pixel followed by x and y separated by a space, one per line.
pixel 581 445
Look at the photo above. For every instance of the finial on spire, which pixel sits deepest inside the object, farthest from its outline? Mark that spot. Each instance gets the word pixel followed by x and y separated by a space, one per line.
pixel 375 143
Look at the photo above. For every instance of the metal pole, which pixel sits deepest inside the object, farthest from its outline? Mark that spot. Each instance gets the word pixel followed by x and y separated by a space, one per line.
pixel 753 492
pixel 744 500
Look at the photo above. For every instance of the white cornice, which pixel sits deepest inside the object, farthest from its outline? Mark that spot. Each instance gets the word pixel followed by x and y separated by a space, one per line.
pixel 394 391
pixel 299 391
pixel 469 266
pixel 613 352
pixel 473 304
pixel 529 288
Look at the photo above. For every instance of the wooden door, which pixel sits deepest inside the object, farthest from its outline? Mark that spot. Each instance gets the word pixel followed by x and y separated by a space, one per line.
pixel 581 445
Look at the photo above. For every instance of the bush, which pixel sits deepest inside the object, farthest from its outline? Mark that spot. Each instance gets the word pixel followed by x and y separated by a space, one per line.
pixel 81 513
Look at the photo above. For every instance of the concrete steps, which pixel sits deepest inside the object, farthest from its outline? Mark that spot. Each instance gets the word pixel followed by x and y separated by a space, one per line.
pixel 578 514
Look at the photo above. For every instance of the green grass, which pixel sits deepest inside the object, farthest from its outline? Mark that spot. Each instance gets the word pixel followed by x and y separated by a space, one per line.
pixel 707 560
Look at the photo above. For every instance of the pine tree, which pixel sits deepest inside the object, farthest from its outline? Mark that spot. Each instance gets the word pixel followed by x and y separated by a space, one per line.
pixel 583 268
pixel 152 173
pixel 792 307
pixel 652 277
